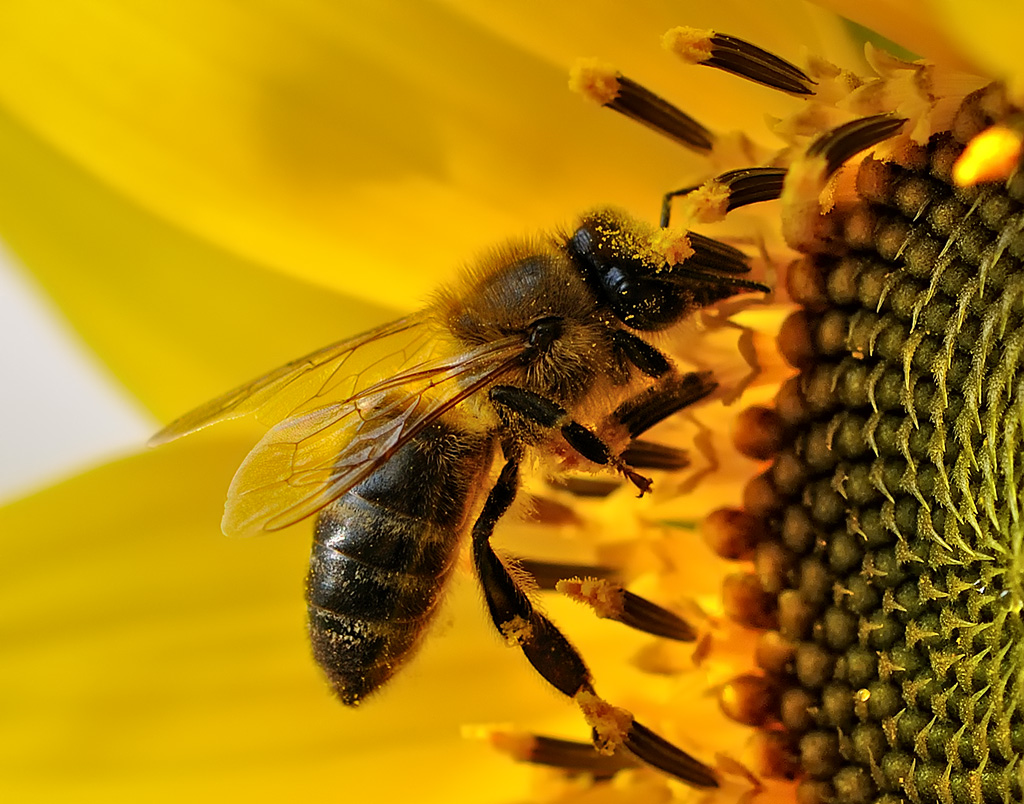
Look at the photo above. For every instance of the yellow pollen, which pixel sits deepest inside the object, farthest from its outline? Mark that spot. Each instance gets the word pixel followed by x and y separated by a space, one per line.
pixel 516 631
pixel 993 155
pixel 801 199
pixel 710 202
pixel 673 245
pixel 692 45
pixel 610 723
pixel 595 79
pixel 603 596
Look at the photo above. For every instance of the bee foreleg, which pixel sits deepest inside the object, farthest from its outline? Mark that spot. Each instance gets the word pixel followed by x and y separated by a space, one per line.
pixel 552 655
pixel 548 413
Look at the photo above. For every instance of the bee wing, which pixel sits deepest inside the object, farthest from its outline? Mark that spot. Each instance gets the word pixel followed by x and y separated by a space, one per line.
pixel 312 458
pixel 309 380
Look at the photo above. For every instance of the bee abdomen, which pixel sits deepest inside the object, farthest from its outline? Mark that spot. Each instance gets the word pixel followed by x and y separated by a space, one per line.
pixel 382 554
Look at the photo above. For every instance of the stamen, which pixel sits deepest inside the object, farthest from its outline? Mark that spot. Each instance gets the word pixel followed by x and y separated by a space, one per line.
pixel 688 273
pixel 993 155
pixel 569 755
pixel 585 485
pixel 548 574
pixel 713 200
pixel 614 728
pixel 714 255
pixel 610 725
pixel 611 602
pixel 751 185
pixel 654 750
pixel 808 175
pixel 645 454
pixel 841 143
pixel 604 85
pixel 738 57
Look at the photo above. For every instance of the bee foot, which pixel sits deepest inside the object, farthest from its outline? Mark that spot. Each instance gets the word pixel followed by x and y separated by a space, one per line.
pixel 643 484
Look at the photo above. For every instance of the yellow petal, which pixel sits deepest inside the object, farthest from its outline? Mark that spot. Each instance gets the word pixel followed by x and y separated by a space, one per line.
pixel 149 658
pixel 989 31
pixel 176 319
pixel 559 33
pixel 914 25
pixel 325 140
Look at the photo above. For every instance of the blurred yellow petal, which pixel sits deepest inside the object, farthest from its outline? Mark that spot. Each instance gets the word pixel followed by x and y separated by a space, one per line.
pixel 322 139
pixel 176 319
pixel 989 31
pixel 911 24
pixel 132 133
pixel 560 33
pixel 148 658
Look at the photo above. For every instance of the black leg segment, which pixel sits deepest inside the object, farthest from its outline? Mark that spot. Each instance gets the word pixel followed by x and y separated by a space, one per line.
pixel 514 615
pixel 613 729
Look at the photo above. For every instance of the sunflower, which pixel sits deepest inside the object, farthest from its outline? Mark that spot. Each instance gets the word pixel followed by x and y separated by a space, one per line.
pixel 207 190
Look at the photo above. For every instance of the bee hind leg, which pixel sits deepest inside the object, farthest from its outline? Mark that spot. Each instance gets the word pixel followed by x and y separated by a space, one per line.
pixel 552 655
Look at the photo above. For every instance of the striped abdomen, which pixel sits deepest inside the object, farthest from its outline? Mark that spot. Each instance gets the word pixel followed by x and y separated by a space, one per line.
pixel 382 553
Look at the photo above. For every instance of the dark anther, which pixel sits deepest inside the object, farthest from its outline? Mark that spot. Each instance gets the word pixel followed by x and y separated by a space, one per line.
pixel 547 573
pixel 656 751
pixel 843 142
pixel 643 615
pixel 573 757
pixel 746 186
pixel 639 103
pixel 650 455
pixel 748 61
pixel 752 185
pixel 714 255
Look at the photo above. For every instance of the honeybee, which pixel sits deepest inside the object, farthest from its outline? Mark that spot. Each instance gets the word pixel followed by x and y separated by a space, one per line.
pixel 393 447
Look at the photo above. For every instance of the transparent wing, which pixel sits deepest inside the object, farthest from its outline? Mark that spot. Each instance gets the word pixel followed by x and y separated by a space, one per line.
pixel 334 371
pixel 312 458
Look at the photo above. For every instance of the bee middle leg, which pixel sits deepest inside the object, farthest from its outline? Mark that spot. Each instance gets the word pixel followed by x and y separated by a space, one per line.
pixel 636 415
pixel 554 657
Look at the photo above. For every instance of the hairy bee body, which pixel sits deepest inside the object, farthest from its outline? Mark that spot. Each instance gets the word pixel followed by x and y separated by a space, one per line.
pixel 383 552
